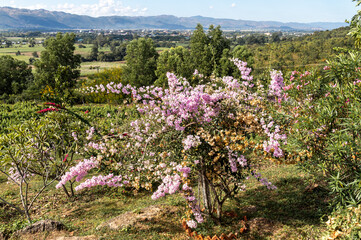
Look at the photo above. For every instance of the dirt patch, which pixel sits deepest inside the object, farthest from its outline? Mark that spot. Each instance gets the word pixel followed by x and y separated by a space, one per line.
pixel 60 235
pixel 249 210
pixel 261 225
pixel 129 219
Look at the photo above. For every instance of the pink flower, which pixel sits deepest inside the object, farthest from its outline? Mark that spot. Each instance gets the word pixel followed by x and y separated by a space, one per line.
pixel 192 224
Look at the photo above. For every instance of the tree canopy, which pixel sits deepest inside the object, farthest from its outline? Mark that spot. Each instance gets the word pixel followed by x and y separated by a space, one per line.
pixel 141 62
pixel 57 66
pixel 14 75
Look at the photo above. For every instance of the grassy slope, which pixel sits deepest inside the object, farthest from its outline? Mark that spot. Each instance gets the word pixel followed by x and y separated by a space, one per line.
pixel 294 212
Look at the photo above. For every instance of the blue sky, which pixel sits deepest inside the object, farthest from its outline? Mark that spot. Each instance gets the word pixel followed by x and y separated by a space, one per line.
pixel 270 10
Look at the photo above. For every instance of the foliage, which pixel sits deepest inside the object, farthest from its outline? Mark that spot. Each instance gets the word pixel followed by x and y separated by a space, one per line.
pixel 355 25
pixel 207 49
pixel 15 75
pixel 14 114
pixel 141 62
pixel 42 148
pixel 344 223
pixel 301 53
pixel 176 60
pixel 322 111
pixel 99 95
pixel 208 134
pixel 57 67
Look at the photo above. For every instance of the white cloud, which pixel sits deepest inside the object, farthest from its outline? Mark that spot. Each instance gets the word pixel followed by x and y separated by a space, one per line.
pixel 210 7
pixel 233 5
pixel 38 6
pixel 102 8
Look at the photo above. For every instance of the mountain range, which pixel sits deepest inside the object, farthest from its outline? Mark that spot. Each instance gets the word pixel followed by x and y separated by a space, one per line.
pixel 25 19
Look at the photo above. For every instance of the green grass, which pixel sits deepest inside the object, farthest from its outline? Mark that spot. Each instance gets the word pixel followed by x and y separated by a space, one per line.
pixel 88 68
pixel 160 49
pixel 25 51
pixel 294 213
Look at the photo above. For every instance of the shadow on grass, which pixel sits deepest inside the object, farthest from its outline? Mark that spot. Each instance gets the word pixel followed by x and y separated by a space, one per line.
pixel 291 204
pixel 158 229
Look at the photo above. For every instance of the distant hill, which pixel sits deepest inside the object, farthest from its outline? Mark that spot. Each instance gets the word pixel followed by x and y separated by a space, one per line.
pixel 25 19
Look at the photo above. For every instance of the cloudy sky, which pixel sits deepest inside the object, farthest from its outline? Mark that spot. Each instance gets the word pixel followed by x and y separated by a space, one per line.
pixel 275 10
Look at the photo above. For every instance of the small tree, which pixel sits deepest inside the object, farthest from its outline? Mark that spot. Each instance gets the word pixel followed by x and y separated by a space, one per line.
pixel 175 60
pixel 35 54
pixel 14 75
pixel 201 54
pixel 207 49
pixel 94 52
pixel 39 151
pixel 57 67
pixel 141 62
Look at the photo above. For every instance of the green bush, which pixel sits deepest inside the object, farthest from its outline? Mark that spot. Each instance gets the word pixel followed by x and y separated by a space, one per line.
pixel 344 223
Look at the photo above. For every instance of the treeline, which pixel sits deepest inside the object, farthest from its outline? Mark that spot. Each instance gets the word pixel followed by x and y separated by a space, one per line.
pixel 55 75
pixel 300 52
pixel 209 52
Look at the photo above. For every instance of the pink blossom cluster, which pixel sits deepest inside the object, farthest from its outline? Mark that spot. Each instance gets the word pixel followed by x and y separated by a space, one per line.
pixel 109 88
pixel 75 136
pixel 302 82
pixel 263 181
pixel 184 170
pixel 233 159
pixel 53 104
pixel 109 180
pixel 78 171
pixel 196 73
pixel 273 144
pixel 98 146
pixel 192 224
pixel 191 141
pixel 170 185
pixel 231 83
pixel 245 71
pixel 276 85
pixel 16 176
pixel 90 133
pixel 193 204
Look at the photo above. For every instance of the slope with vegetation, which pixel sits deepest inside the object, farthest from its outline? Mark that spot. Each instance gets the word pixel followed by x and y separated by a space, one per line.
pixel 276 154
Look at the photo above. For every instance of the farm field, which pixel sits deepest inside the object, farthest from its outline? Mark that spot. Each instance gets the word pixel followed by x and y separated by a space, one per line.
pixel 26 53
pixel 88 68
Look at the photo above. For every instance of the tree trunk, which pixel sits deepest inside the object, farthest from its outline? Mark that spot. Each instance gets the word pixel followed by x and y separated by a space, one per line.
pixel 206 195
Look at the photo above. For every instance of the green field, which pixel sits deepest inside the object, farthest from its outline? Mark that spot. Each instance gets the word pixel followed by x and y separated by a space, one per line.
pixel 87 68
pixel 26 53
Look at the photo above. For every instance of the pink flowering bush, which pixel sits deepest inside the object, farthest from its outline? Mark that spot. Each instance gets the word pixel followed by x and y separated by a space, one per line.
pixel 207 134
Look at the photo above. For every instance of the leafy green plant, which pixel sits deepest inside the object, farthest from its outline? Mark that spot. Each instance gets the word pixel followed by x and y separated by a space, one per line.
pixel 344 223
pixel 42 149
